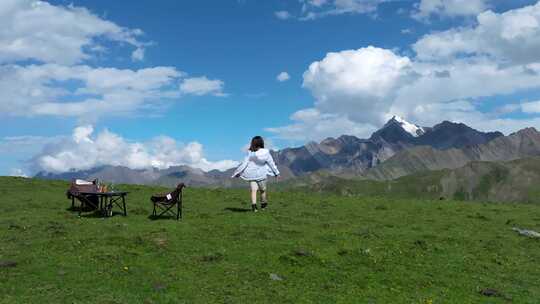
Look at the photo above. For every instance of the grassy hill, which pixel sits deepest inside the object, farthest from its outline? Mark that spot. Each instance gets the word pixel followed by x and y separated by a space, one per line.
pixel 307 248
pixel 512 181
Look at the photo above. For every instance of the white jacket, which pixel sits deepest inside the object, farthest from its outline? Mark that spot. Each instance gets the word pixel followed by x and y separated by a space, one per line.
pixel 257 166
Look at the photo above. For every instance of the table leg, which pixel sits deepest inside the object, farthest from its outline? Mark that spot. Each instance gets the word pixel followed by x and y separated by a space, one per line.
pixel 124 204
pixel 109 206
pixel 104 206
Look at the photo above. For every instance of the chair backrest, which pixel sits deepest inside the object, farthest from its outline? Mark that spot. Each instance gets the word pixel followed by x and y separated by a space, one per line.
pixel 75 189
pixel 171 197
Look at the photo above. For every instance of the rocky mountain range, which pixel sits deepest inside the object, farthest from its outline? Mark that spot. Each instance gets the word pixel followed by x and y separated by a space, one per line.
pixel 352 156
pixel 399 148
pixel 522 144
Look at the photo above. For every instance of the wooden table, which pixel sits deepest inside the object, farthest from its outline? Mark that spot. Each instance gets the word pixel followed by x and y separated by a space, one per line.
pixel 107 200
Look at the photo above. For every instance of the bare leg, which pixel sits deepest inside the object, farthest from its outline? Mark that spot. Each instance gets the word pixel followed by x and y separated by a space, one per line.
pixel 263 197
pixel 253 197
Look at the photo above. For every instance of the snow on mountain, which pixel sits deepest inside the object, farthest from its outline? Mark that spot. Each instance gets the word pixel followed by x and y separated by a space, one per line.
pixel 410 128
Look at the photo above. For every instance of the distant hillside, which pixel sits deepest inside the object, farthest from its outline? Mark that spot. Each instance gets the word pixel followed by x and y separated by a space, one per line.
pixel 167 177
pixel 524 143
pixel 512 181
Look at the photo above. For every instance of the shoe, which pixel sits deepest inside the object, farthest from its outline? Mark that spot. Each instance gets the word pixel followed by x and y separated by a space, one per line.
pixel 264 205
pixel 254 208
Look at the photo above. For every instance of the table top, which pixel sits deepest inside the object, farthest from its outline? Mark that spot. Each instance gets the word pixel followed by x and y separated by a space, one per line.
pixel 110 193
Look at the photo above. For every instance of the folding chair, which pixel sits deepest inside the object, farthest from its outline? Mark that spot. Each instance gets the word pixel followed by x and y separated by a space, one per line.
pixel 165 202
pixel 76 190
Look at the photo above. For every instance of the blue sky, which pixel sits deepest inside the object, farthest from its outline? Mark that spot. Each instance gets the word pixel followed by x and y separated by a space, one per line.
pixel 160 83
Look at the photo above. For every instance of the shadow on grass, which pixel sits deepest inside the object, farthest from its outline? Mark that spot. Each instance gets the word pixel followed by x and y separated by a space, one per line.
pixel 235 209
pixel 162 217
pixel 93 213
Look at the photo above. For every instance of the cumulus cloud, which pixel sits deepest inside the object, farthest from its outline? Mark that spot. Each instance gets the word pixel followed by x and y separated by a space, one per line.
pixel 283 76
pixel 449 8
pixel 202 86
pixel 473 78
pixel 39 89
pixel 86 150
pixel 512 36
pixel 366 80
pixel 37 30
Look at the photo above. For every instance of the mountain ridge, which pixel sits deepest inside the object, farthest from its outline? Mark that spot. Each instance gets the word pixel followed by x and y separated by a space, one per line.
pixel 345 156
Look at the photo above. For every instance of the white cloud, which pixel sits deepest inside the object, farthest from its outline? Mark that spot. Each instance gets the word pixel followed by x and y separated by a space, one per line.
pixel 283 76
pixel 138 54
pixel 359 83
pixel 464 79
pixel 39 89
pixel 317 3
pixel 202 86
pixel 512 36
pixel 466 112
pixel 17 172
pixel 31 29
pixel 84 150
pixel 531 107
pixel 283 15
pixel 311 124
pixel 449 8
pixel 407 31
pixel 314 9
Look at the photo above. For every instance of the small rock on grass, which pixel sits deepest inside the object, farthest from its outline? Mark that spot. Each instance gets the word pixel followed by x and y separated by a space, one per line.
pixel 527 233
pixel 489 292
pixel 8 264
pixel 275 277
pixel 159 286
pixel 302 252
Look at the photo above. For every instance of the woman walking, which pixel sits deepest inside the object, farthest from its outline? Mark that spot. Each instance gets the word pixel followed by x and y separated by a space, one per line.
pixel 255 168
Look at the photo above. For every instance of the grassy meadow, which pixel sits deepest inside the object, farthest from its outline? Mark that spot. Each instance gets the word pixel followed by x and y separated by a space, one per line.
pixel 307 248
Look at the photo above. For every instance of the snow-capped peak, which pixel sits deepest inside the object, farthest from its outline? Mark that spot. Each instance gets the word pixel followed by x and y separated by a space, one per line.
pixel 410 128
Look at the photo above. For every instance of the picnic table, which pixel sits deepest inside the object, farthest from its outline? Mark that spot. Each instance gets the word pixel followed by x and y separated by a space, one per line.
pixel 107 200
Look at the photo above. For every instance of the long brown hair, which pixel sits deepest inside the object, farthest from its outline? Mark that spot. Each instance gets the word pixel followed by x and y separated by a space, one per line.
pixel 257 143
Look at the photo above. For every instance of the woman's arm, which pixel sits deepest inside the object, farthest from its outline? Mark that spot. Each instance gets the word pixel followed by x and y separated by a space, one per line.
pixel 241 168
pixel 271 164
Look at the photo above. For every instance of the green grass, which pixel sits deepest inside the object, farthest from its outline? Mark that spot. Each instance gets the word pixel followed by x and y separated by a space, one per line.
pixel 325 249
